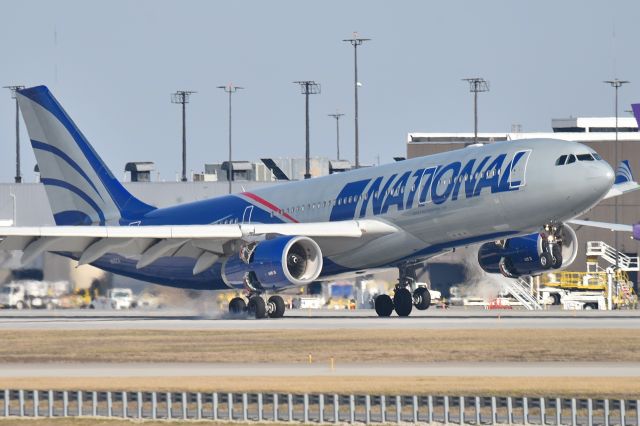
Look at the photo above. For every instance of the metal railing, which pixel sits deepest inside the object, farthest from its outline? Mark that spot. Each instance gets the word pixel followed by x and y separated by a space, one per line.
pixel 521 290
pixel 320 408
pixel 608 253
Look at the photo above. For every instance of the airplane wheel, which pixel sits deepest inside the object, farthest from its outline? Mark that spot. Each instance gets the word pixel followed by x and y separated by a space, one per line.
pixel 556 257
pixel 422 298
pixel 403 302
pixel 237 306
pixel 277 307
pixel 256 307
pixel 545 260
pixel 383 305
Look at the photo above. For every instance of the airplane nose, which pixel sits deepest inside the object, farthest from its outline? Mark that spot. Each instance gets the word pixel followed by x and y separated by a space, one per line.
pixel 601 177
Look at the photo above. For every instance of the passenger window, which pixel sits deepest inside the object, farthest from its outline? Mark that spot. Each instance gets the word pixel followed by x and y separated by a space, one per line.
pixel 572 159
pixel 560 161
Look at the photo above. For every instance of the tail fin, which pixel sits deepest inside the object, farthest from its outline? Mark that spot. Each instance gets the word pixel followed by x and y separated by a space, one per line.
pixel 623 172
pixel 80 187
pixel 636 112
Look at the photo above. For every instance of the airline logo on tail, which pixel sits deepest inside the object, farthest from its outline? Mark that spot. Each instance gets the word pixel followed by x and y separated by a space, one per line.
pixel 623 173
pixel 80 187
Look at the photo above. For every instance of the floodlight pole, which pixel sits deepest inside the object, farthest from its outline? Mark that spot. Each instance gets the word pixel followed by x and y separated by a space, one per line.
pixel 182 97
pixel 355 42
pixel 616 84
pixel 18 178
pixel 337 117
pixel 476 85
pixel 308 87
pixel 230 89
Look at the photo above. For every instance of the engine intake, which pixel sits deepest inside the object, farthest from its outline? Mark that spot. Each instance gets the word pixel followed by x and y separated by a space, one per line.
pixel 279 262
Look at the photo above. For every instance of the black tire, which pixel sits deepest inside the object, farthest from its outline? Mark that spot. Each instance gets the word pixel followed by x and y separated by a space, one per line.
pixel 545 260
pixel 383 305
pixel 278 307
pixel 556 257
pixel 556 299
pixel 403 302
pixel 422 298
pixel 237 306
pixel 257 307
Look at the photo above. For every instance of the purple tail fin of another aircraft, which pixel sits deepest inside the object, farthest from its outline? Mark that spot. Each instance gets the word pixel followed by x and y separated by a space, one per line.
pixel 636 112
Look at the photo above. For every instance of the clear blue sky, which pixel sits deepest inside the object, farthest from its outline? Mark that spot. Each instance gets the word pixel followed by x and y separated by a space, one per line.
pixel 113 65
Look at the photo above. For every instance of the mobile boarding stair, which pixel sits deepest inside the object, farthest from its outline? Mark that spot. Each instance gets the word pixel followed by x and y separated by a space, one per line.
pixel 521 290
pixel 623 286
pixel 605 251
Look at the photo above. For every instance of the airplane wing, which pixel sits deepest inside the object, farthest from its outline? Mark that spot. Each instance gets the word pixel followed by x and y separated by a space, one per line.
pixel 205 242
pixel 616 227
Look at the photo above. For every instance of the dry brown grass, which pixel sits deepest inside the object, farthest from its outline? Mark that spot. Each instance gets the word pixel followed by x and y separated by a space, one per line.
pixel 525 386
pixel 346 346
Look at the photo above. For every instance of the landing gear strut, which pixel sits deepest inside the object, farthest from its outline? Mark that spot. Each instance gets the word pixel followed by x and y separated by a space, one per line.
pixel 403 299
pixel 551 256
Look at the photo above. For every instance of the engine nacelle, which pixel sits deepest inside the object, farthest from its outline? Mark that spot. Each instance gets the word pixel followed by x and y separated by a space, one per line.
pixel 276 263
pixel 524 255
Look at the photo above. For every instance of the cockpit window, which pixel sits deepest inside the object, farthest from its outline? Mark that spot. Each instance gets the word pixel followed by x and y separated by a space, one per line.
pixel 585 157
pixel 571 159
pixel 596 156
pixel 560 161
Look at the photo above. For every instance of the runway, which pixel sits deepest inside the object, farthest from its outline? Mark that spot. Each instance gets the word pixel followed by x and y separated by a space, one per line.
pixel 467 369
pixel 316 320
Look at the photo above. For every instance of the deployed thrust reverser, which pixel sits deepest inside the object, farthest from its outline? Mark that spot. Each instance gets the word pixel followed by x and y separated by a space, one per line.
pixel 271 265
pixel 556 247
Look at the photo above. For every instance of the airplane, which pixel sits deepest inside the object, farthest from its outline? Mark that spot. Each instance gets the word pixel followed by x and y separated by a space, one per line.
pixel 624 178
pixel 515 198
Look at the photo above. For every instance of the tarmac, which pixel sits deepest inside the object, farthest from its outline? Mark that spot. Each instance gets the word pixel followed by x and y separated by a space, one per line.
pixel 465 369
pixel 316 320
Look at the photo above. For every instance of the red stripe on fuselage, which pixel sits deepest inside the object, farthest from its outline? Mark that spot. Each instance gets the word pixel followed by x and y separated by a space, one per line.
pixel 268 205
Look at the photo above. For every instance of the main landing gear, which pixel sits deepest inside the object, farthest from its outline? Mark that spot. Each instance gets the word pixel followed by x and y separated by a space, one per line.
pixel 404 299
pixel 256 307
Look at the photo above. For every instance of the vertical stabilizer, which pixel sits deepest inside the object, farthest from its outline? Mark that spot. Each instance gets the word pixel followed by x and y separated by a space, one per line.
pixel 636 112
pixel 80 187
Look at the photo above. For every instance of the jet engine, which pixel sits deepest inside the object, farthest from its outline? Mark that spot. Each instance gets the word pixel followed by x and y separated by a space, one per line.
pixel 275 263
pixel 556 247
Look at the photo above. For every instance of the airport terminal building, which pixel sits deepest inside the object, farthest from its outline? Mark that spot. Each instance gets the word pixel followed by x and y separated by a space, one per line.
pixel 596 132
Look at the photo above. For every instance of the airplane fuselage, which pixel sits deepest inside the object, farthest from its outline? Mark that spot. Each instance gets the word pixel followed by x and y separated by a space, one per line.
pixel 438 202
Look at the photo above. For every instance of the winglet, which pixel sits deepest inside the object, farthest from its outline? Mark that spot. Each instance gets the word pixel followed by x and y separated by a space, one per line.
pixel 623 172
pixel 636 112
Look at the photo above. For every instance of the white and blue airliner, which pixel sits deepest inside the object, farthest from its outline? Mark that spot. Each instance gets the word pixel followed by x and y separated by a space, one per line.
pixel 514 198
